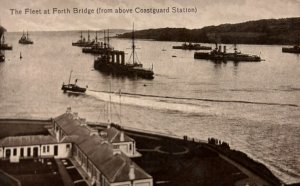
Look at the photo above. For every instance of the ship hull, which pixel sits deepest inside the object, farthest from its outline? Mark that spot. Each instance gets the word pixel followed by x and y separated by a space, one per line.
pixel 75 89
pixel 192 48
pixel 5 47
pixel 25 42
pixel 123 70
pixel 227 57
pixel 295 50
pixel 2 58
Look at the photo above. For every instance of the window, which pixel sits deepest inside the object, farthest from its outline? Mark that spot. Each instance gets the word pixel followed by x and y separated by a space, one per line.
pixel 22 152
pixel 48 148
pixel 68 147
pixel 15 152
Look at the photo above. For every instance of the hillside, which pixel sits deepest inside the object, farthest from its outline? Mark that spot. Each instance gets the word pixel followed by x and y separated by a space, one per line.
pixel 265 31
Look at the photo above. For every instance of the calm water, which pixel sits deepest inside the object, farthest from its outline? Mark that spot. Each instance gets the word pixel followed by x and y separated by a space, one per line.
pixel 269 133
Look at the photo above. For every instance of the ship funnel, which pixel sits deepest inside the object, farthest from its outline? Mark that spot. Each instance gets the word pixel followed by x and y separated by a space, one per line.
pixel 224 49
pixel 220 48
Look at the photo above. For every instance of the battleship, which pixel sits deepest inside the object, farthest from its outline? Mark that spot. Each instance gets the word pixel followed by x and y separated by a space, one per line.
pixel 192 46
pixel 82 42
pixel 294 49
pixel 218 55
pixel 3 45
pixel 25 39
pixel 113 62
pixel 99 48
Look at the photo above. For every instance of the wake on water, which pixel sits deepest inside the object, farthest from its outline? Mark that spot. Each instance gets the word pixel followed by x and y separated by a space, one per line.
pixel 150 102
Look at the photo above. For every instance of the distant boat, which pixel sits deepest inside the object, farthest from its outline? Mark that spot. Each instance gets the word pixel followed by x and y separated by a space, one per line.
pixel 2 57
pixel 25 39
pixel 192 46
pixel 3 45
pixel 99 48
pixel 72 87
pixel 218 55
pixel 295 49
pixel 82 42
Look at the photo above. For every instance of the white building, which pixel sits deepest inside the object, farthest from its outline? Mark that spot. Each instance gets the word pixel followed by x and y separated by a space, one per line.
pixel 104 157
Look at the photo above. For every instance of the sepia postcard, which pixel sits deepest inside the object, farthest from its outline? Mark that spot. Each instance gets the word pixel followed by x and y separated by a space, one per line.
pixel 149 93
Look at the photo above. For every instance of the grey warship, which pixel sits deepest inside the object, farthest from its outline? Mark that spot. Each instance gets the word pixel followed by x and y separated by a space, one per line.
pixel 113 62
pixel 191 46
pixel 82 42
pixel 218 55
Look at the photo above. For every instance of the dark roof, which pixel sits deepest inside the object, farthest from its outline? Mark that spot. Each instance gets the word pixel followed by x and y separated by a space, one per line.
pixel 14 141
pixel 113 135
pixel 115 167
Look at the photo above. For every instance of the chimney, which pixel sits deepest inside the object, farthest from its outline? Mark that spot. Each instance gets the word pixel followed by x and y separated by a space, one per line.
pixel 75 115
pixel 131 173
pixel 69 110
pixel 122 136
pixel 83 122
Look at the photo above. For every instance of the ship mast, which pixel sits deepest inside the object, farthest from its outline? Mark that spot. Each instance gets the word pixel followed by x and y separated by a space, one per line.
pixel 81 35
pixel 27 35
pixel 88 35
pixel 70 77
pixel 107 38
pixel 133 45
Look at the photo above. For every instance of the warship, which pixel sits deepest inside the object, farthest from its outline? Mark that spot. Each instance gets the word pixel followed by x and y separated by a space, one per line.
pixel 25 39
pixel 82 42
pixel 218 55
pixel 3 45
pixel 294 49
pixel 99 48
pixel 192 46
pixel 113 62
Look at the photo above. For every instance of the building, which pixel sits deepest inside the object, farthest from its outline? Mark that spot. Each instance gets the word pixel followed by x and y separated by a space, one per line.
pixel 104 156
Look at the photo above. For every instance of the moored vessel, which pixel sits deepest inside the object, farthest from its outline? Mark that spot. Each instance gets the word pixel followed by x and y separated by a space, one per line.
pixel 25 39
pixel 72 87
pixel 191 46
pixel 2 57
pixel 113 62
pixel 294 49
pixel 218 55
pixel 3 45
pixel 82 42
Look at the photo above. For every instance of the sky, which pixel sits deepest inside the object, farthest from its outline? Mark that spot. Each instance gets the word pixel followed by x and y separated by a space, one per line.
pixel 208 12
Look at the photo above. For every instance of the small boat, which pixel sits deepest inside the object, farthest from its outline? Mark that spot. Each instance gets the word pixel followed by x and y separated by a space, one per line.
pixel 72 87
pixel 25 39
pixel 192 46
pixel 3 45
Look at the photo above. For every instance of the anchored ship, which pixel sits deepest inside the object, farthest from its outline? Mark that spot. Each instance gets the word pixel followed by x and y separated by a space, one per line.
pixel 99 48
pixel 72 87
pixel 218 55
pixel 113 62
pixel 294 49
pixel 82 42
pixel 3 45
pixel 25 39
pixel 192 46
